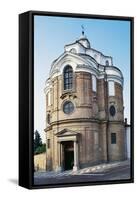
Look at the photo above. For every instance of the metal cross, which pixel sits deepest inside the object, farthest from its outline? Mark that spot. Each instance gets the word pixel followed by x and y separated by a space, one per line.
pixel 83 29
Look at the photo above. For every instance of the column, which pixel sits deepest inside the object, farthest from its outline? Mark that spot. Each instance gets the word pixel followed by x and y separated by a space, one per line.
pixel 59 157
pixel 76 164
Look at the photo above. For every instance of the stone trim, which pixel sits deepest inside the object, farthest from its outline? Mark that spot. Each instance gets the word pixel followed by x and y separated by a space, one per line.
pixel 82 120
pixel 67 138
pixel 64 138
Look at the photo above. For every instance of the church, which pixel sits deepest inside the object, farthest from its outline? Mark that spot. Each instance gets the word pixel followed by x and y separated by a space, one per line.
pixel 84 109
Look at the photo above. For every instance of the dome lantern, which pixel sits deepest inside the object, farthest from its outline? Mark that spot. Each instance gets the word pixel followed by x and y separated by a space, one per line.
pixel 83 39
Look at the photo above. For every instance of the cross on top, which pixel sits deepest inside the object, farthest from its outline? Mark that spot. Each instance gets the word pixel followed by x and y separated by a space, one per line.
pixel 83 29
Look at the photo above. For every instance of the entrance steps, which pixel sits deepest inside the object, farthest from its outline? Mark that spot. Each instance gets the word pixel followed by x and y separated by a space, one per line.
pixel 100 168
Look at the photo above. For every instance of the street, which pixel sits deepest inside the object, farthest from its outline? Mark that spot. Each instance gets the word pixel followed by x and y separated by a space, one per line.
pixel 117 173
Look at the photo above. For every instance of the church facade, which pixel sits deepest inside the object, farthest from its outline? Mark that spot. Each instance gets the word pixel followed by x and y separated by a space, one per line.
pixel 84 109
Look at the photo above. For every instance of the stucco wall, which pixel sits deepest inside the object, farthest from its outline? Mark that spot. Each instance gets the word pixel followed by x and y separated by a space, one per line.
pixel 40 162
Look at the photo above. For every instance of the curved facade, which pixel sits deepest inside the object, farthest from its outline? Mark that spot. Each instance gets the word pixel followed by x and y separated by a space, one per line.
pixel 84 109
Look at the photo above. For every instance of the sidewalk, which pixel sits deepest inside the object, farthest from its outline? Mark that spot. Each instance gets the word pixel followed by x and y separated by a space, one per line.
pixel 94 169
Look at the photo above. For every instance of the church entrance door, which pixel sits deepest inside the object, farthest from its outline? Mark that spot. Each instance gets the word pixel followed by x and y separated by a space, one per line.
pixel 68 155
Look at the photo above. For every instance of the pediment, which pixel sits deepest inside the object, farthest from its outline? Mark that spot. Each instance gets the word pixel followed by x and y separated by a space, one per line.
pixel 72 59
pixel 67 132
pixel 69 56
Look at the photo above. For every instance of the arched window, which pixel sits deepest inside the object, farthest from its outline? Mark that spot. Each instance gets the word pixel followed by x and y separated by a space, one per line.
pixel 48 118
pixel 107 63
pixel 68 78
pixel 48 99
pixel 111 88
pixel 94 83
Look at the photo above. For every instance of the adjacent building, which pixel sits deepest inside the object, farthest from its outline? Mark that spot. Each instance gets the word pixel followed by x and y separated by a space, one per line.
pixel 84 109
pixel 128 139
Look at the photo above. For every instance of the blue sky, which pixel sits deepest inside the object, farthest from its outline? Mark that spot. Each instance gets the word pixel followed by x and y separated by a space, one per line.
pixel 51 34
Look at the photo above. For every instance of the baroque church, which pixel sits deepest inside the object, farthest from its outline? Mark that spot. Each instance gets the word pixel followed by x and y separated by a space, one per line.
pixel 84 109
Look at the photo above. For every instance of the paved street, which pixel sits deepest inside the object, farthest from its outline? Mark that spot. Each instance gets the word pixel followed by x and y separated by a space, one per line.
pixel 114 173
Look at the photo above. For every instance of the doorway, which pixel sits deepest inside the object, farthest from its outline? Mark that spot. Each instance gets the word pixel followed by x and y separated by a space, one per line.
pixel 68 155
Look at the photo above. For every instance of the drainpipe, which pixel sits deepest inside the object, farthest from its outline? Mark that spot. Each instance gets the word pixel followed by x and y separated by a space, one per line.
pixel 107 118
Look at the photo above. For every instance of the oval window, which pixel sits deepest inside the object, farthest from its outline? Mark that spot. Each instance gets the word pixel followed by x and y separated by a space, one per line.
pixel 112 110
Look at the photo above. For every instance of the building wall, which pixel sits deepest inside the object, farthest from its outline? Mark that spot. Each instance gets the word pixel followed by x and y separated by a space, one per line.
pixel 127 132
pixel 116 151
pixel 40 162
pixel 91 119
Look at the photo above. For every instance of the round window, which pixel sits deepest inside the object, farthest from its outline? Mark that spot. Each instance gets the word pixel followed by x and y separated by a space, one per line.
pixel 112 110
pixel 68 107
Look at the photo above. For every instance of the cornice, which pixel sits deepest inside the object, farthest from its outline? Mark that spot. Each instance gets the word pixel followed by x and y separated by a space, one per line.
pixel 82 120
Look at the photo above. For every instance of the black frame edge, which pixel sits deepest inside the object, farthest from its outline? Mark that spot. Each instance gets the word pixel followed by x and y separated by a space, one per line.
pixel 132 96
pixel 26 101
pixel 79 15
